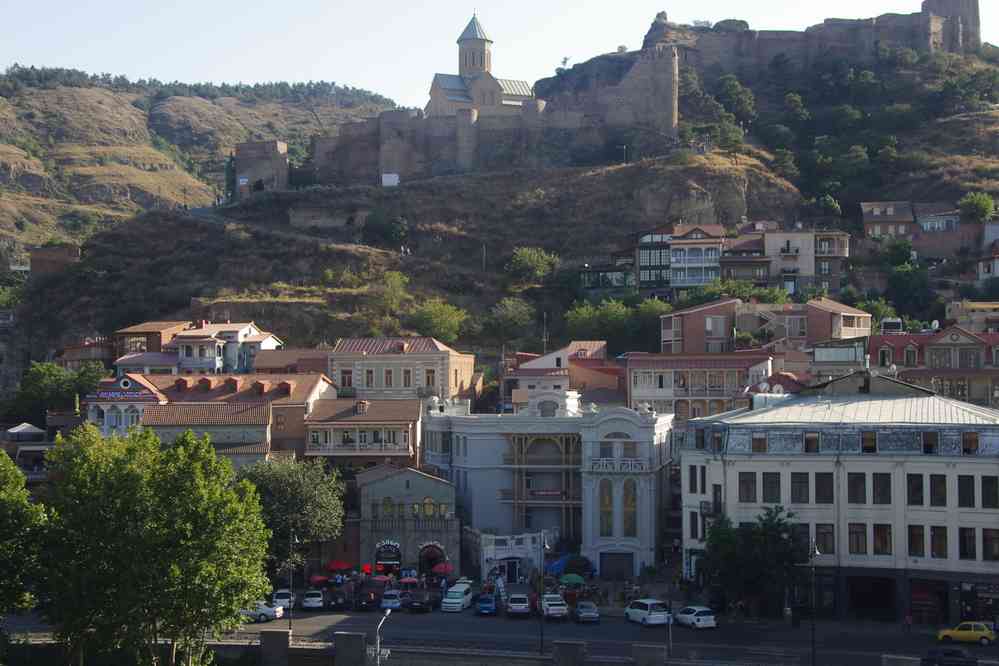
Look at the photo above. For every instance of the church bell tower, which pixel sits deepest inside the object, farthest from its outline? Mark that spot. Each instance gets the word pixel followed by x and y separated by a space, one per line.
pixel 474 50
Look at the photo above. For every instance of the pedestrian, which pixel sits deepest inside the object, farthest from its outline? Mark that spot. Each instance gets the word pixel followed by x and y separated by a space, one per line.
pixel 908 623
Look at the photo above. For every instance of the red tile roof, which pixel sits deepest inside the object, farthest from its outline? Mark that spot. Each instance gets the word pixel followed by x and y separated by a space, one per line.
pixel 152 327
pixel 290 360
pixel 902 211
pixel 412 345
pixel 378 411
pixel 786 380
pixel 710 229
pixel 248 388
pixel 207 414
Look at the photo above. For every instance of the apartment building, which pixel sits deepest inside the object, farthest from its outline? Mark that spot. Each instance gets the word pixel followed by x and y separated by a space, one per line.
pixel 889 219
pixel 596 476
pixel 974 316
pixel 239 431
pixel 897 488
pixel 357 434
pixel 581 366
pixel 935 229
pixel 695 256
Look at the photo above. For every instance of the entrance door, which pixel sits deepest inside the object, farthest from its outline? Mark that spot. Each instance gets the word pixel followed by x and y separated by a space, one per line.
pixel 617 566
pixel 510 569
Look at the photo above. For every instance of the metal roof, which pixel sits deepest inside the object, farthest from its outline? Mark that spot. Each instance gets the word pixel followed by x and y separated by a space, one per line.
pixel 474 30
pixel 515 87
pixel 450 82
pixel 865 409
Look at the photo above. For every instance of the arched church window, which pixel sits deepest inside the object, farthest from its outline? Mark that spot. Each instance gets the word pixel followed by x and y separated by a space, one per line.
pixel 606 509
pixel 630 508
pixel 428 507
pixel 387 507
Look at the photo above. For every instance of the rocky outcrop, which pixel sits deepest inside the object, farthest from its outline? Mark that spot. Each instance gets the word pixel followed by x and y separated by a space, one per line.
pixel 19 170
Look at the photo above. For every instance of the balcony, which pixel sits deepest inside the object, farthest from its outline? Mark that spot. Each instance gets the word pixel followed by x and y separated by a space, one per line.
pixel 369 449
pixel 683 280
pixel 790 252
pixel 709 508
pixel 618 465
pixel 541 496
pixel 543 461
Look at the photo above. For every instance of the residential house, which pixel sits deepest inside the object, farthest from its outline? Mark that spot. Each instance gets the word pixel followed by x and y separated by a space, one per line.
pixel 895 487
pixel 829 359
pixel 974 316
pixel 695 256
pixel 220 348
pixel 745 259
pixel 597 476
pixel 239 431
pixel 889 219
pixel 613 277
pixel 150 336
pixel 89 350
pixel 357 434
pixel 652 262
pixel 942 234
pixel 580 366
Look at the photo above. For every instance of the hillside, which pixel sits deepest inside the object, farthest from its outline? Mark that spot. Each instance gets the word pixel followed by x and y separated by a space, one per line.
pixel 79 151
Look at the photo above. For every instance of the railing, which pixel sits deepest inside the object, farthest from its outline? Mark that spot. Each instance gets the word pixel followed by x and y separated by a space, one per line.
pixel 705 261
pixel 532 461
pixel 540 495
pixel 359 449
pixel 618 465
pixel 691 281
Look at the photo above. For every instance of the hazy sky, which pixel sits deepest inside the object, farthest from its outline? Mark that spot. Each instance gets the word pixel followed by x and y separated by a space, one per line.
pixel 391 47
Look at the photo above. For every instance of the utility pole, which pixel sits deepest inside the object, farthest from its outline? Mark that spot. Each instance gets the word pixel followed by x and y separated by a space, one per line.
pixel 541 589
pixel 483 257
pixel 624 153
pixel 544 334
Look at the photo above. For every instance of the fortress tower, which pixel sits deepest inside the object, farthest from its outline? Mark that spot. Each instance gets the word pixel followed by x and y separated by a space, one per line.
pixel 475 52
pixel 964 16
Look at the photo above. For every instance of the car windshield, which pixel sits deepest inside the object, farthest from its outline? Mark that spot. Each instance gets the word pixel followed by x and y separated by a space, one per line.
pixel 657 608
pixel 454 595
pixel 391 595
pixel 585 605
pixel 282 595
pixel 704 613
pixel 313 595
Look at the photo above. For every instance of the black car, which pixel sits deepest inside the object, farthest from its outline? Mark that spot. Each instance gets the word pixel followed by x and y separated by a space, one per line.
pixel 948 656
pixel 365 601
pixel 337 600
pixel 420 601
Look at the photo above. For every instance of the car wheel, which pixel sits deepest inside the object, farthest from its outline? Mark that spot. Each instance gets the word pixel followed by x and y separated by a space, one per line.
pixel 946 639
pixel 645 621
pixel 261 618
pixel 983 641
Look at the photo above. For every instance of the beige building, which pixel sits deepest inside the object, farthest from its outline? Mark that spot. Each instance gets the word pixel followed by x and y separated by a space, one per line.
pixel 475 87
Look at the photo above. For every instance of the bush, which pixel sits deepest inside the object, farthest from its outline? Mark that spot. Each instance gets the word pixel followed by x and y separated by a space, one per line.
pixel 439 319
pixel 977 207
pixel 532 264
pixel 512 318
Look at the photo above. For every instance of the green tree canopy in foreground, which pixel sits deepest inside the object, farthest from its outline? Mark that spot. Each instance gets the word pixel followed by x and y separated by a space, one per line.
pixel 20 521
pixel 147 542
pixel 47 386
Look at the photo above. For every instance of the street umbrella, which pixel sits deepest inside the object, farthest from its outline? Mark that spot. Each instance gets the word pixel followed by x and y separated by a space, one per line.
pixel 366 569
pixel 381 579
pixel 337 565
pixel 319 580
pixel 408 580
pixel 443 568
pixel 572 579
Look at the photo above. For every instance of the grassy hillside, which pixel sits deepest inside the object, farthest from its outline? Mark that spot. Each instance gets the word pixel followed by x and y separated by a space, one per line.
pixel 80 151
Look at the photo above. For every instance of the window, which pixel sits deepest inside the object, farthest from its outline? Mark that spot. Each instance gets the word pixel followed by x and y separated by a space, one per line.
pixel 910 357
pixel 966 543
pixel 931 443
pixel 990 492
pixel 811 442
pixel 771 487
pixel 990 545
pixel 369 378
pixel 801 536
pixel 388 378
pixel 914 489
pixel 858 538
pixel 692 477
pixel 966 491
pixel 940 358
pixel 823 268
pixel 824 493
pixel 747 487
pixel 699 439
pixel 314 437
pixel 969 359
pixel 869 442
pixel 606 509
pixel 188 351
pixel 630 450
pixel 799 488
pixel 938 542
pixel 917 541
pixel 430 375
pixel 630 508
pixel 693 525
pixel 760 443
pixel 407 378
pixel 856 484
pixel 606 450
pixel 969 443
pixel 882 539
pixel 825 538
pixel 938 490
pixel 704 480
pixel 882 488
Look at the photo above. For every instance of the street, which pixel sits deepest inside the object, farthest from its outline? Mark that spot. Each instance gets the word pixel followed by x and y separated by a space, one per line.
pixel 765 643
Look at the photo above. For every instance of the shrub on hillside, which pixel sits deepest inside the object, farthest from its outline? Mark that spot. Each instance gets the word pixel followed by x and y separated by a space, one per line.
pixel 438 319
pixel 532 264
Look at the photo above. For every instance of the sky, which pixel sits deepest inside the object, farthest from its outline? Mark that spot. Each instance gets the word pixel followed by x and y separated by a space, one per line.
pixel 389 46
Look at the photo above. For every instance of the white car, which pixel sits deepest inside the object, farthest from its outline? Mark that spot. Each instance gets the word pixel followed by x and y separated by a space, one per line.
pixel 284 598
pixel 648 612
pixel 313 600
pixel 553 607
pixel 697 617
pixel 263 612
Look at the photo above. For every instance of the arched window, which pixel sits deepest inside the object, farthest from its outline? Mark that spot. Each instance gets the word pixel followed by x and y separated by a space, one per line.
pixel 114 417
pixel 387 507
pixel 606 509
pixel 131 416
pixel 630 508
pixel 428 507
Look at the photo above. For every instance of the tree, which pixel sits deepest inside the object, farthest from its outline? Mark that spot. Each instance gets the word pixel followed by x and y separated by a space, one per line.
pixel 741 289
pixel 795 113
pixel 439 319
pixel 828 205
pixel 612 321
pixel 737 99
pixel 20 522
pixel 909 289
pixel 649 330
pixel 977 207
pixel 147 542
pixel 299 498
pixel 897 252
pixel 532 264
pixel 879 309
pixel 730 137
pixel 48 386
pixel 784 165
pixel 391 294
pixel 380 229
pixel 512 318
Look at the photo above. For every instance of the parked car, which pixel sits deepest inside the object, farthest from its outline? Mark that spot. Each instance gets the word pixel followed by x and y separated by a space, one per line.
pixel 366 600
pixel 948 656
pixel 391 600
pixel 648 612
pixel 284 598
pixel 313 600
pixel 420 601
pixel 263 612
pixel 487 605
pixel 337 600
pixel 697 617
pixel 968 632
pixel 553 607
pixel 586 611
pixel 518 605
pixel 457 599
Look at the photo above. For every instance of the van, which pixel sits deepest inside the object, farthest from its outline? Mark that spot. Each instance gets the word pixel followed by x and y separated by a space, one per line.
pixel 457 599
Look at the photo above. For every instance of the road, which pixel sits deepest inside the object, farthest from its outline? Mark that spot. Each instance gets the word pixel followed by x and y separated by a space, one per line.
pixel 762 643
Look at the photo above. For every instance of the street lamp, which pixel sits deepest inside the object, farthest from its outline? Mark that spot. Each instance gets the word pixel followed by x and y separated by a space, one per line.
pixel 292 540
pixel 378 638
pixel 811 557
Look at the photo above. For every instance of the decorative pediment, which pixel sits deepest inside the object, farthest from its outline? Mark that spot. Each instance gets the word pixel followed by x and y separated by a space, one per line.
pixel 955 335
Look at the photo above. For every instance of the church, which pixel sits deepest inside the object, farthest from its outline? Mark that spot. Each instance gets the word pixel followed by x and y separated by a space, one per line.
pixel 475 87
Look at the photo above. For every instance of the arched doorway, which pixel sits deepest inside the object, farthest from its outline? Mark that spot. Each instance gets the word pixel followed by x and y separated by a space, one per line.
pixel 431 554
pixel 388 556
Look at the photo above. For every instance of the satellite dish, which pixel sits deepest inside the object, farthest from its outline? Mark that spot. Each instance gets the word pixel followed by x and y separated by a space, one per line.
pixel 935 325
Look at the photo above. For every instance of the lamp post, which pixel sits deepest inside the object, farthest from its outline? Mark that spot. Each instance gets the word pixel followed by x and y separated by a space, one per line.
pixel 291 573
pixel 541 590
pixel 811 556
pixel 378 638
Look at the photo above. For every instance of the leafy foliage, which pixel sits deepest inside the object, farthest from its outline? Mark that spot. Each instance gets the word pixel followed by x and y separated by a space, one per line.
pixel 20 525
pixel 512 317
pixel 977 207
pixel 386 231
pixel 879 309
pixel 439 319
pixel 48 386
pixel 625 328
pixel 746 291
pixel 532 264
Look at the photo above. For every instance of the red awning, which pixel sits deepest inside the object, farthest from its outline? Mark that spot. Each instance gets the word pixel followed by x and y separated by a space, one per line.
pixel 337 565
pixel 443 568
pixel 319 580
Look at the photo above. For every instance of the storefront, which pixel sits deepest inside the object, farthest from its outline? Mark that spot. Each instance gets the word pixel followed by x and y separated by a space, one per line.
pixel 980 601
pixel 431 554
pixel 388 557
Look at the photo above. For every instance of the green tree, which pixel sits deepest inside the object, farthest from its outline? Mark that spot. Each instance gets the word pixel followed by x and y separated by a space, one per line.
pixel 977 207
pixel 784 165
pixel 741 289
pixel 380 229
pixel 532 264
pixel 879 309
pixel 909 289
pixel 795 113
pixel 737 99
pixel 390 295
pixel 300 498
pixel 649 329
pixel 828 205
pixel 439 319
pixel 147 542
pixel 20 523
pixel 512 317
pixel 897 252
pixel 730 137
pixel 48 386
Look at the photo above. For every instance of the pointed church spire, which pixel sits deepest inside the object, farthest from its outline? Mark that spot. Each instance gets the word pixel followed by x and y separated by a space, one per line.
pixel 474 31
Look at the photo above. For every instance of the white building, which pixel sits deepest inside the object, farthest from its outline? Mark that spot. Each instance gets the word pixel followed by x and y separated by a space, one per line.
pixel 597 476
pixel 897 487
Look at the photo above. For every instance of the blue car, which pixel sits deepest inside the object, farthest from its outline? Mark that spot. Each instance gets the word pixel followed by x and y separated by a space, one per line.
pixel 487 605
pixel 391 600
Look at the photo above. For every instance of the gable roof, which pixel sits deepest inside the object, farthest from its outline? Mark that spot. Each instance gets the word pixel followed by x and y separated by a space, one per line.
pixel 152 327
pixel 704 306
pixel 410 345
pixel 473 31
pixel 207 414
pixel 450 82
pixel 382 472
pixel 516 87
pixel 711 230
pixel 341 411
pixel 830 305
pixel 148 359
pixel 902 211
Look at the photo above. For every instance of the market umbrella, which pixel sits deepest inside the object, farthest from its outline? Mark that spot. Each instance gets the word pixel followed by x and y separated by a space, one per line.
pixel 381 579
pixel 337 565
pixel 443 568
pixel 572 579
pixel 366 569
pixel 408 580
pixel 319 580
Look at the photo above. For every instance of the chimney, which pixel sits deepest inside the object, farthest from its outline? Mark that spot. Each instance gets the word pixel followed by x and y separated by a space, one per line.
pixel 207 383
pixel 286 387
pixel 233 384
pixel 261 387
pixel 182 384
pixel 361 407
pixel 403 347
